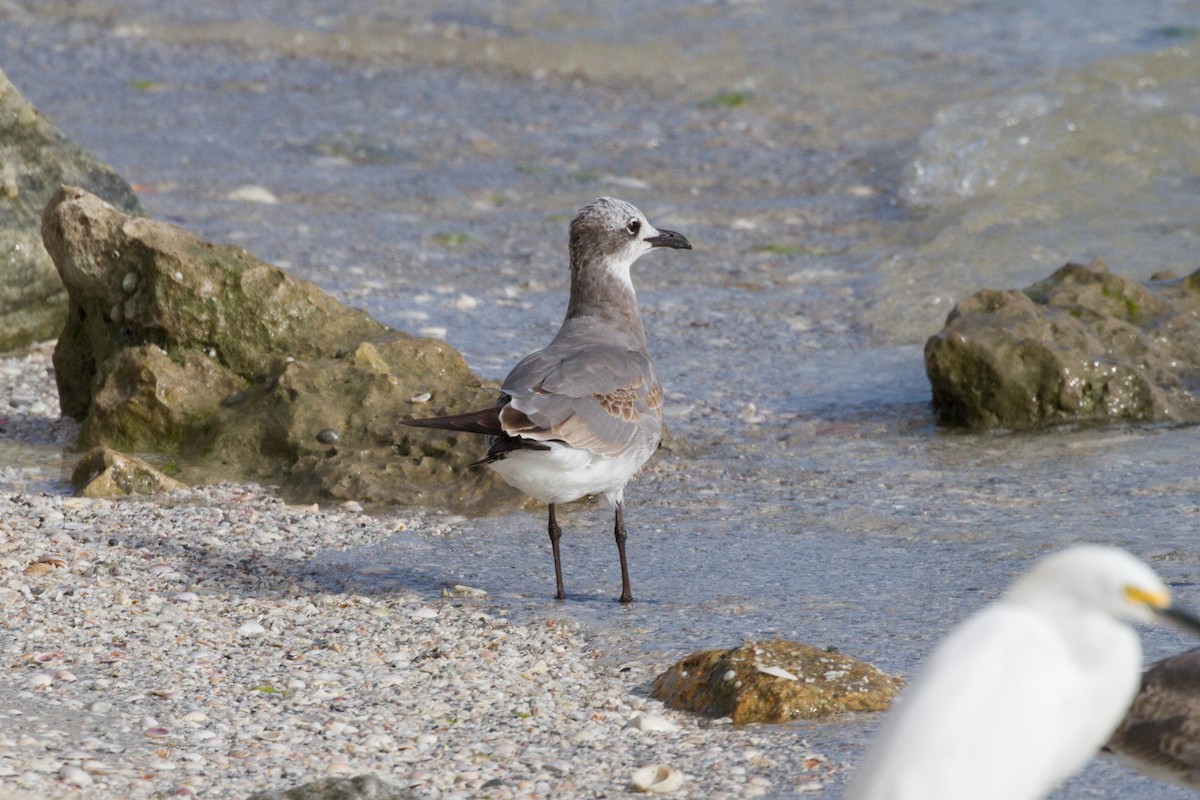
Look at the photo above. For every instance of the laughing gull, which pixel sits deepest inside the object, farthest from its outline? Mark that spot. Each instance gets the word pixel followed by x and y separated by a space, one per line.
pixel 582 415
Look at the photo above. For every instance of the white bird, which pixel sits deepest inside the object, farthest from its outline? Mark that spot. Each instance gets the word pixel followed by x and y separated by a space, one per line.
pixel 582 415
pixel 1025 692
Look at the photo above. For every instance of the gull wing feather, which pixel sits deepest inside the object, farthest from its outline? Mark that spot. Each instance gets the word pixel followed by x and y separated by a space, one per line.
pixel 601 399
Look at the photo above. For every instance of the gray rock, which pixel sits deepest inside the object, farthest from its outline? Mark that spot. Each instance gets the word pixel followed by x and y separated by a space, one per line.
pixel 237 368
pixel 35 159
pixel 362 787
pixel 1084 345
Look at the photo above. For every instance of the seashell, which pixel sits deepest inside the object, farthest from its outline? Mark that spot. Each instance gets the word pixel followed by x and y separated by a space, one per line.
pixel 778 672
pixel 75 776
pixel 157 733
pixel 129 282
pixel 40 680
pixel 423 397
pixel 251 629
pixel 649 722
pixel 195 717
pixel 657 779
pixel 329 436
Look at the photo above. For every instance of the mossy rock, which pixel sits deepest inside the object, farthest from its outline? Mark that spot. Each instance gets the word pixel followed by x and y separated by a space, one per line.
pixel 773 681
pixel 1084 345
pixel 205 353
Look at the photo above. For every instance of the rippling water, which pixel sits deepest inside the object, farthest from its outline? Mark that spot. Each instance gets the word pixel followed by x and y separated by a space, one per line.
pixel 845 171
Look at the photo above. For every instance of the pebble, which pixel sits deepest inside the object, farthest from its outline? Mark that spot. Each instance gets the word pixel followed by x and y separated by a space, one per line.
pixel 252 193
pixel 181 690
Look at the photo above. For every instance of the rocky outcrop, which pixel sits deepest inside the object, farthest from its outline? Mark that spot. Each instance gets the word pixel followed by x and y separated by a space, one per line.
pixel 773 681
pixel 177 346
pixel 35 159
pixel 103 472
pixel 1084 345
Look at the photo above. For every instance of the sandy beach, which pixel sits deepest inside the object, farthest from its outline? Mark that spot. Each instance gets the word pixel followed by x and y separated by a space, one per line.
pixel 179 646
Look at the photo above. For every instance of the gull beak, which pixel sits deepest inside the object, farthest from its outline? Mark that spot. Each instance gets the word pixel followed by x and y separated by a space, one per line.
pixel 669 239
pixel 1181 618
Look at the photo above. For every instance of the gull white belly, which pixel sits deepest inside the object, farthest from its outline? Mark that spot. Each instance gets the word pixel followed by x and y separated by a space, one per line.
pixel 562 473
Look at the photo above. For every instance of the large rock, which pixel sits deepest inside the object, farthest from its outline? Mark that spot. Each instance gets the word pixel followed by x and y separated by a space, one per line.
pixel 35 159
pixel 176 346
pixel 1084 345
pixel 773 681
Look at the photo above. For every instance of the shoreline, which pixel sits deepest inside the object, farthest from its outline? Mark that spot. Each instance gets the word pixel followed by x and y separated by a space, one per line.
pixel 180 646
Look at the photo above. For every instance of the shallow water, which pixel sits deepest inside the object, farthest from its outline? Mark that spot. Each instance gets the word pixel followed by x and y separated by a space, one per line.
pixel 845 174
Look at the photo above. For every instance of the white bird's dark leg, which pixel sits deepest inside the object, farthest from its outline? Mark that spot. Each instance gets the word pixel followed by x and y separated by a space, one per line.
pixel 619 532
pixel 555 535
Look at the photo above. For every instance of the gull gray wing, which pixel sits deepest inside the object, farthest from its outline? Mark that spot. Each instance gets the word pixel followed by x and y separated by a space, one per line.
pixel 602 399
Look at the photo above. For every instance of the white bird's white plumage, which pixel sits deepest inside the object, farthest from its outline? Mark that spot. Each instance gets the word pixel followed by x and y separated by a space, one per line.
pixel 1022 694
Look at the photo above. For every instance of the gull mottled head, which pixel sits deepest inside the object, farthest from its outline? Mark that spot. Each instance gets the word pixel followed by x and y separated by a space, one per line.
pixel 616 233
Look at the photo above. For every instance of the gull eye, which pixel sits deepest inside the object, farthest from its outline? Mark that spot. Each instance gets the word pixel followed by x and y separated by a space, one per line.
pixel 633 226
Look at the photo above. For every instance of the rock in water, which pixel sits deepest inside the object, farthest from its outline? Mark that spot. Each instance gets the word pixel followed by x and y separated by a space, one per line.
pixel 177 346
pixel 773 681
pixel 35 160
pixel 1084 345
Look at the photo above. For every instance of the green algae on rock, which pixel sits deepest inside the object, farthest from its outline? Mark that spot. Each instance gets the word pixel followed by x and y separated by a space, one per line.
pixel 1084 345
pixel 177 346
pixel 773 681
pixel 104 472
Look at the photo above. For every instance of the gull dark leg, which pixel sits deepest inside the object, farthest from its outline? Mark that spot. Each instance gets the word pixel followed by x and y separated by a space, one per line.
pixel 619 533
pixel 555 535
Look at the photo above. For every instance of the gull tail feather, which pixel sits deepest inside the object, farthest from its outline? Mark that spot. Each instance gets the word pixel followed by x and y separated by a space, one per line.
pixel 486 422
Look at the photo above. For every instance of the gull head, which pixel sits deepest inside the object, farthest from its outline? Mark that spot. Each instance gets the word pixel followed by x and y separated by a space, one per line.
pixel 614 234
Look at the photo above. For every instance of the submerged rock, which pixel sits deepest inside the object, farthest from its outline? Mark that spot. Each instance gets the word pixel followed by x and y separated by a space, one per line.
pixel 177 346
pixel 773 681
pixel 103 472
pixel 1084 345
pixel 35 159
